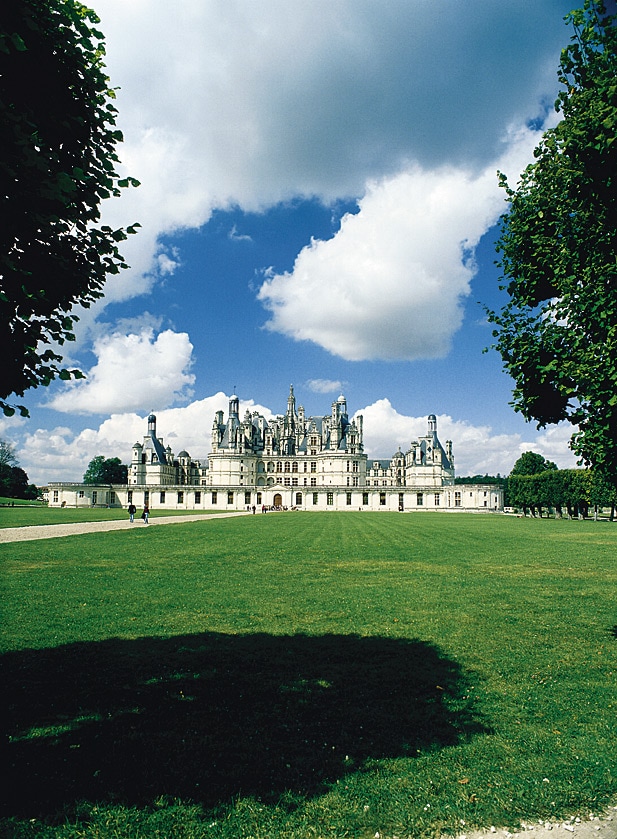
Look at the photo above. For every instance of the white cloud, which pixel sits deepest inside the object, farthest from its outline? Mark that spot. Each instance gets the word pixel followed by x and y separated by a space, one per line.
pixel 324 385
pixel 249 104
pixel 61 454
pixel 133 371
pixel 477 450
pixel 391 282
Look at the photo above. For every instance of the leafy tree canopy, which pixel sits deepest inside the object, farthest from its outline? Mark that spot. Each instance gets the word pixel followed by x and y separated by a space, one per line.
pixel 557 334
pixel 7 454
pixel 531 463
pixel 57 163
pixel 106 471
pixel 13 479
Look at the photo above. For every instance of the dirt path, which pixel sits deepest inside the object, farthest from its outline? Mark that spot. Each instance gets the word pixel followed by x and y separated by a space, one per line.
pixel 52 531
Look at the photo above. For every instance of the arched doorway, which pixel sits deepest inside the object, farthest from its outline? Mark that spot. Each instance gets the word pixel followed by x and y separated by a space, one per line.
pixel 278 500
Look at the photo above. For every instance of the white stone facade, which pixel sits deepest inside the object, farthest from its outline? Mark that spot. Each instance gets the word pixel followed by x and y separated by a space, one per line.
pixel 289 462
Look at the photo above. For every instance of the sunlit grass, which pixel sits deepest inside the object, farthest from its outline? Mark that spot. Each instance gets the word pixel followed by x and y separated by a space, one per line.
pixel 29 514
pixel 313 674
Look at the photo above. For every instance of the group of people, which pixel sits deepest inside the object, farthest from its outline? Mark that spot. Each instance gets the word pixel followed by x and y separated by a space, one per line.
pixel 266 509
pixel 144 515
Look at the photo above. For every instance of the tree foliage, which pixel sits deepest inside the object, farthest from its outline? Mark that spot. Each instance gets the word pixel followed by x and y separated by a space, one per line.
pixel 554 488
pixel 106 471
pixel 7 454
pixel 531 463
pixel 57 163
pixel 13 479
pixel 557 334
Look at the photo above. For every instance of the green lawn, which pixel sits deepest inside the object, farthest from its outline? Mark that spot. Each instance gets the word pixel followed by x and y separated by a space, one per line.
pixel 25 514
pixel 309 674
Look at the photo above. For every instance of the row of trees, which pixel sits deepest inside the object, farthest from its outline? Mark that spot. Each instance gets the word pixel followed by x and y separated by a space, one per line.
pixel 571 490
pixel 536 484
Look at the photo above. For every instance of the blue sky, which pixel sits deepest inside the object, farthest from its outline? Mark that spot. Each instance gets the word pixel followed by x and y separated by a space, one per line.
pixel 318 206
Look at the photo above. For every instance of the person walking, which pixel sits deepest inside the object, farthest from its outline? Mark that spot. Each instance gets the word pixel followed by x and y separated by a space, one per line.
pixel 145 513
pixel 132 511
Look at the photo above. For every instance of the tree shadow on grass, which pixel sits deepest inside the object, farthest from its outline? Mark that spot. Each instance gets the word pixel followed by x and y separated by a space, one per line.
pixel 208 717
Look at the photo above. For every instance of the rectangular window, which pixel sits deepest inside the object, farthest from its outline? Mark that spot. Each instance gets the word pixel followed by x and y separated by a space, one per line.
pixel 313 465
pixel 197 497
pixel 82 493
pixel 55 496
pixel 330 499
pixel 355 480
pixel 112 497
pixel 247 497
pixel 355 466
pixel 365 499
pixel 129 496
pixel 382 499
pixel 214 497
pixel 348 498
pixel 313 482
pixel 419 499
pixel 230 497
pixel 147 496
pixel 180 498
pixel 401 501
pixel 287 481
pixel 437 499
pixel 162 498
pixel 457 499
pixel 95 496
pixel 305 466
pixel 315 497
pixel 258 498
pixel 294 482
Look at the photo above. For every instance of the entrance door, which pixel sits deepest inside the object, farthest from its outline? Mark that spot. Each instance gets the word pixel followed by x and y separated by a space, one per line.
pixel 278 500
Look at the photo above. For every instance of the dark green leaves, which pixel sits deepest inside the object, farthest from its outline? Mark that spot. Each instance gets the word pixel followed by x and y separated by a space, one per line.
pixel 57 163
pixel 557 333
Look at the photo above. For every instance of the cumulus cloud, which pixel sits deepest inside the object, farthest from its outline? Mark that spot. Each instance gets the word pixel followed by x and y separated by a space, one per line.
pixel 324 385
pixel 477 449
pixel 63 454
pixel 132 371
pixel 391 282
pixel 249 104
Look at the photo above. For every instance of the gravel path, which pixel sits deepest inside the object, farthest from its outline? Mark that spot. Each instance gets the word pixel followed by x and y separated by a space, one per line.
pixel 52 531
pixel 603 826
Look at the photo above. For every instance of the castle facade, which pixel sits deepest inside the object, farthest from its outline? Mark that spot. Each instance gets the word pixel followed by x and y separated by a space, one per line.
pixel 290 462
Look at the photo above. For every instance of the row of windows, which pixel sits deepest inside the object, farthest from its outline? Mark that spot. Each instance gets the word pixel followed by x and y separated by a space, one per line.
pixel 420 497
pixel 290 466
pixel 247 498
